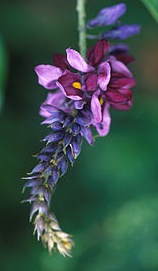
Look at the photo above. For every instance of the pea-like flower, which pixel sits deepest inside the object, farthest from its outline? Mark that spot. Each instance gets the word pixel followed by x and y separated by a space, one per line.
pixel 100 82
pixel 107 16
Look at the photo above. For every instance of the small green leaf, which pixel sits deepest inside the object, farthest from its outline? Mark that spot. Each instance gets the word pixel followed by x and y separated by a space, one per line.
pixel 3 70
pixel 152 6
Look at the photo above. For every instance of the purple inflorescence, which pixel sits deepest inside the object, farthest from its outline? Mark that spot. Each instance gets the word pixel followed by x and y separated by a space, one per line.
pixel 84 90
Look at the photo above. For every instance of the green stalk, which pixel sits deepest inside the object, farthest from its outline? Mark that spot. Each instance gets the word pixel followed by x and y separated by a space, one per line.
pixel 81 26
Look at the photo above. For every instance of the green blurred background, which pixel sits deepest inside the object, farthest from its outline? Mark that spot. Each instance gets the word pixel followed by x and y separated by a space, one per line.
pixel 109 199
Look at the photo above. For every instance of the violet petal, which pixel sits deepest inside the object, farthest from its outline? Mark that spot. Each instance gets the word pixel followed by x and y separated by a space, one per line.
pixel 104 75
pixel 47 75
pixel 96 107
pixel 104 127
pixel 77 61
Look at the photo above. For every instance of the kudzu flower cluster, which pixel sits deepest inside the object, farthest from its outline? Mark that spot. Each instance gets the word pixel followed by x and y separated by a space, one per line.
pixel 81 93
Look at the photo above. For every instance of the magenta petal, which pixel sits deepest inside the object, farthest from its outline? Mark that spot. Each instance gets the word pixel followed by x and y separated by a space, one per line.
pixel 104 72
pixel 104 127
pixel 77 61
pixel 96 107
pixel 47 75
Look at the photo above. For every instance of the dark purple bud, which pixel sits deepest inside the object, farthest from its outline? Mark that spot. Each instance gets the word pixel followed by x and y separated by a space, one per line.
pixel 53 177
pixel 78 139
pixel 51 120
pixel 48 171
pixel 87 113
pixel 76 144
pixel 55 174
pixel 55 116
pixel 75 128
pixel 52 109
pixel 107 16
pixel 54 137
pixel 43 157
pixel 35 191
pixel 67 139
pixel 59 155
pixel 50 148
pixel 84 118
pixel 47 195
pixel 68 121
pixel 63 165
pixel 45 192
pixel 39 168
pixel 51 182
pixel 87 133
pixel 122 32
pixel 33 183
pixel 70 154
pixel 57 126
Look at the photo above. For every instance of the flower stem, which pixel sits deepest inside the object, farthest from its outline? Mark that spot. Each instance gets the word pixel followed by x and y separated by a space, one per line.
pixel 81 26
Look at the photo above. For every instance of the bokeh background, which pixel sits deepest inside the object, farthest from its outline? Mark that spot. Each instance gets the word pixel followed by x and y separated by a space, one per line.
pixel 109 199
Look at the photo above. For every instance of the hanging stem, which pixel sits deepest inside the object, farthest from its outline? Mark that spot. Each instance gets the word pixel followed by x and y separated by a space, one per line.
pixel 81 26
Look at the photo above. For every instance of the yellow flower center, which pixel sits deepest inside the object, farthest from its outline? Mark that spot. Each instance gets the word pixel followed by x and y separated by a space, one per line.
pixel 77 85
pixel 101 101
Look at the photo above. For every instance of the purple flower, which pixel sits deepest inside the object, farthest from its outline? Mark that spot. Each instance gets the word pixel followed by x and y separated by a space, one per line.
pixel 74 85
pixel 107 16
pixel 122 32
